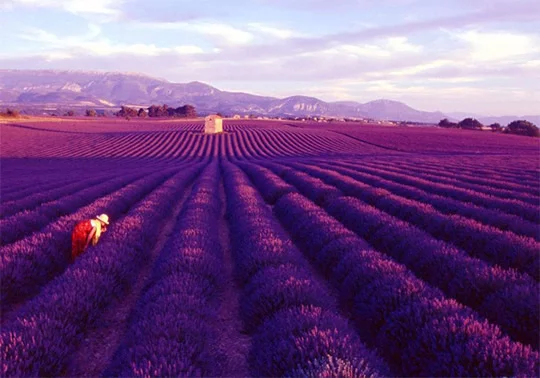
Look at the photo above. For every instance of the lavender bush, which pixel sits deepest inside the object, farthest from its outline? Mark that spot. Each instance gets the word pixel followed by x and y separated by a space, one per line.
pixel 48 328
pixel 173 329
pixel 292 318
pixel 509 206
pixel 22 224
pixel 446 205
pixel 29 263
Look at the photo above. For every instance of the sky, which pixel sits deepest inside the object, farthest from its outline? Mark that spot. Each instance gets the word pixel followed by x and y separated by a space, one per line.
pixel 479 57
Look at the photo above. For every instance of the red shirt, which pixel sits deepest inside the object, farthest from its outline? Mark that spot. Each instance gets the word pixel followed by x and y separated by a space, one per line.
pixel 79 237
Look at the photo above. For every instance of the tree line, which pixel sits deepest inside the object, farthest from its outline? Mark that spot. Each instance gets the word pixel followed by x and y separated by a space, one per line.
pixel 10 113
pixel 518 127
pixel 185 111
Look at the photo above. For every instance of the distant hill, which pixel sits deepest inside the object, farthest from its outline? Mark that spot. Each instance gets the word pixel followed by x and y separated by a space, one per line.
pixel 50 89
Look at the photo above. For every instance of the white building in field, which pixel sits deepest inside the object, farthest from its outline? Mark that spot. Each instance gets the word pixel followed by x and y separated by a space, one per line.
pixel 213 124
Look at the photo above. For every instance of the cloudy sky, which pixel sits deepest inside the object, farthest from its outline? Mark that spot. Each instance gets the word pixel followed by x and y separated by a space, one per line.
pixel 480 56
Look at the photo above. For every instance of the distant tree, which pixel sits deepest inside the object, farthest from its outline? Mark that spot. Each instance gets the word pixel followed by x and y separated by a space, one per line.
pixel 447 124
pixel 12 113
pixel 126 111
pixel 186 111
pixel 69 113
pixel 91 113
pixel 522 127
pixel 152 110
pixel 496 127
pixel 470 124
pixel 141 113
pixel 158 111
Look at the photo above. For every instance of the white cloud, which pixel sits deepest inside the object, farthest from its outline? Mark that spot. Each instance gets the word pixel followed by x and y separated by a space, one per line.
pixel 105 48
pixel 280 33
pixel 54 47
pixel 386 48
pixel 389 88
pixel 361 50
pixel 229 33
pixel 217 30
pixel 416 69
pixel 50 40
pixel 79 7
pixel 496 46
pixel 402 44
pixel 532 63
pixel 57 55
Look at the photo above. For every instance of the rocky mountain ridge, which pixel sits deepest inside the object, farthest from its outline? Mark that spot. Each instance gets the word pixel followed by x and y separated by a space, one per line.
pixel 49 89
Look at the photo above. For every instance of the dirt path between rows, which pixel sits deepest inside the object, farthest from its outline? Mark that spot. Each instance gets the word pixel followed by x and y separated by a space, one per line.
pixel 233 342
pixel 99 345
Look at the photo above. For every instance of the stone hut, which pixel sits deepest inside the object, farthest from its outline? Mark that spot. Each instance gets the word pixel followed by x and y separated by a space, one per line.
pixel 213 124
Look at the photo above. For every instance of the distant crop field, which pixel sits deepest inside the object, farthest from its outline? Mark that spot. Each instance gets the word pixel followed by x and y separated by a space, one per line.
pixel 272 249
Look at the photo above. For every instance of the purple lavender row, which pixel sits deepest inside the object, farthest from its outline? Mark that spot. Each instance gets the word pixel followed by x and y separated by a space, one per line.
pixel 417 329
pixel 172 331
pixel 295 328
pixel 21 225
pixel 509 206
pixel 505 297
pixel 51 176
pixel 29 189
pixel 471 281
pixel 36 199
pixel 445 205
pixel 516 194
pixel 488 243
pixel 317 240
pixel 270 188
pixel 29 263
pixel 520 178
pixel 49 328
pixel 442 171
pixel 498 188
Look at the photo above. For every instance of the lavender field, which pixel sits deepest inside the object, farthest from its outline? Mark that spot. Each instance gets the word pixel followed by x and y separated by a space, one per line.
pixel 273 249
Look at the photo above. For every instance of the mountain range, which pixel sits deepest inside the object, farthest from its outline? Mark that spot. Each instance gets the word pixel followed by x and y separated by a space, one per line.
pixel 51 89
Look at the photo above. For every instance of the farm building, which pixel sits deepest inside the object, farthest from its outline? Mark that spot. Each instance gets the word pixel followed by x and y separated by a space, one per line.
pixel 213 124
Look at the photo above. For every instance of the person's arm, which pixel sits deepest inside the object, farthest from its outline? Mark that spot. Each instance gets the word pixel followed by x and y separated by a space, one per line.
pixel 89 238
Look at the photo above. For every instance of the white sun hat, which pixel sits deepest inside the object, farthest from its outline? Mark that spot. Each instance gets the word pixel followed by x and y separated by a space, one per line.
pixel 104 218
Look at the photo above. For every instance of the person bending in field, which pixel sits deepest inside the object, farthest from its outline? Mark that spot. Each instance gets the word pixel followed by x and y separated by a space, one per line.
pixel 86 232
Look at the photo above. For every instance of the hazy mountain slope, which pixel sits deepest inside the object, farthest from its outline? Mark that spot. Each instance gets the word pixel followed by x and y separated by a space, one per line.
pixel 61 89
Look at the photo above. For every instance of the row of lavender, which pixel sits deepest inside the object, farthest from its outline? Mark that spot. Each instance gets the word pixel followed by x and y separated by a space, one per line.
pixel 173 330
pixel 460 192
pixel 294 323
pixel 47 329
pixel 504 248
pixel 459 275
pixel 494 179
pixel 417 329
pixel 36 195
pixel 488 168
pixel 30 182
pixel 186 146
pixel 32 261
pixel 507 190
pixel 444 204
pixel 26 222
